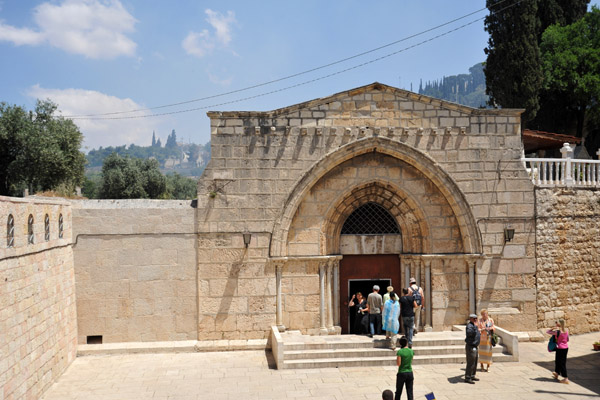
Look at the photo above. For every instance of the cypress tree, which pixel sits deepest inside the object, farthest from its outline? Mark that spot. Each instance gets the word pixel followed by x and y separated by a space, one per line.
pixel 513 69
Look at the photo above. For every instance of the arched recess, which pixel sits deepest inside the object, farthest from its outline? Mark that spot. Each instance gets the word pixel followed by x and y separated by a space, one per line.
pixel 409 216
pixel 428 167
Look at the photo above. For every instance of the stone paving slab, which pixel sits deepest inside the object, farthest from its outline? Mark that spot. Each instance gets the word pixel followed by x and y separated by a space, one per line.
pixel 251 375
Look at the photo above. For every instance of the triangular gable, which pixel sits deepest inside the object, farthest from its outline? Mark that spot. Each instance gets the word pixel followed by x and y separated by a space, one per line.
pixel 373 87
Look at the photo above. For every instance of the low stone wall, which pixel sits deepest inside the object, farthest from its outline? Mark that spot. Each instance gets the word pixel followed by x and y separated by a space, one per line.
pixel 568 258
pixel 135 270
pixel 38 327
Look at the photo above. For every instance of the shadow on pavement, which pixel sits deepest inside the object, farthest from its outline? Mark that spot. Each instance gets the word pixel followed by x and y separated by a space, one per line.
pixel 582 371
pixel 456 379
pixel 270 359
pixel 565 393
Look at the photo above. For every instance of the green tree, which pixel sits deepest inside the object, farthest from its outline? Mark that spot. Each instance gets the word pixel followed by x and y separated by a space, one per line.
pixel 181 187
pixel 38 151
pixel 91 185
pixel 513 68
pixel 171 140
pixel 571 65
pixel 131 178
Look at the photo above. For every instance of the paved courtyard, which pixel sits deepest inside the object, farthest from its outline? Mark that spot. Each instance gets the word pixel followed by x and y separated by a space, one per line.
pixel 251 375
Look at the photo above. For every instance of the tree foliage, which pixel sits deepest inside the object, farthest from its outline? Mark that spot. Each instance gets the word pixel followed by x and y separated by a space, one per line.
pixel 134 178
pixel 38 151
pixel 181 187
pixel 467 89
pixel 513 67
pixel 171 140
pixel 131 178
pixel 571 64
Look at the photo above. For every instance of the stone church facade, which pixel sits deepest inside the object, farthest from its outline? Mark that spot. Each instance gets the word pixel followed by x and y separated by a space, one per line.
pixel 449 176
pixel 299 208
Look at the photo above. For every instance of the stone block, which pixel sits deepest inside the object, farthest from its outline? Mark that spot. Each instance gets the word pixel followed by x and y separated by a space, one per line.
pixel 305 285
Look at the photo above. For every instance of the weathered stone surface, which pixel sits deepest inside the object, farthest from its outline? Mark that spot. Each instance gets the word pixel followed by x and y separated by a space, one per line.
pixel 38 318
pixel 568 251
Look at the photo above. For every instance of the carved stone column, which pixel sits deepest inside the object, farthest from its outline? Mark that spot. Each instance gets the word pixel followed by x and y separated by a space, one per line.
pixel 330 328
pixel 322 270
pixel 428 296
pixel 472 286
pixel 406 277
pixel 336 294
pixel 279 315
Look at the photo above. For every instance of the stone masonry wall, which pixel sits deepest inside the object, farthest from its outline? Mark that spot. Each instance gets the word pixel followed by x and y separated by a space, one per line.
pixel 38 327
pixel 568 258
pixel 135 270
pixel 260 159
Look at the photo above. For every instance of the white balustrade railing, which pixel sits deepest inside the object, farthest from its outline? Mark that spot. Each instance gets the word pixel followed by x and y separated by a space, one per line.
pixel 564 171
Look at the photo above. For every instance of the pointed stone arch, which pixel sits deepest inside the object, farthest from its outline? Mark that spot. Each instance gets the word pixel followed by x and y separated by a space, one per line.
pixel 411 221
pixel 469 233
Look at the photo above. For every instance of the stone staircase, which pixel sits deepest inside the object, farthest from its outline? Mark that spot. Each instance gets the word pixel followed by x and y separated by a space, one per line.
pixel 295 351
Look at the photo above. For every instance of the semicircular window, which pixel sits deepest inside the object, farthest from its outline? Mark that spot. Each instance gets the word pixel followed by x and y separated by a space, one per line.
pixel 370 219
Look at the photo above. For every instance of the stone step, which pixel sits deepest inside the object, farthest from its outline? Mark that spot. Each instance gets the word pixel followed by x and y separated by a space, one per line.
pixel 377 352
pixel 453 349
pixel 379 361
pixel 359 342
pixel 337 353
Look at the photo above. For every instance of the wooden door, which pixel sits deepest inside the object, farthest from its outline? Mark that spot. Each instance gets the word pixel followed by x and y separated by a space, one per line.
pixel 365 271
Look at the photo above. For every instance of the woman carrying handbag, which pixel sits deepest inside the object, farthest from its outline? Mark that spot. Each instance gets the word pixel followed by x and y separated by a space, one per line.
pixel 561 335
pixel 486 328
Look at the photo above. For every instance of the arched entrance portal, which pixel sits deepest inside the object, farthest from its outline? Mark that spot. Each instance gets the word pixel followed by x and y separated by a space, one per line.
pixel 370 241
pixel 434 224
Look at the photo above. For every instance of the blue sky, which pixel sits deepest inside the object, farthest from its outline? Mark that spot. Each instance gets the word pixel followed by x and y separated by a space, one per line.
pixel 106 56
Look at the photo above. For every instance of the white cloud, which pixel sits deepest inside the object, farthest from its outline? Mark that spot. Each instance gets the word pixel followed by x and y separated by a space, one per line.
pixel 201 43
pixel 93 28
pixel 100 132
pixel 20 36
pixel 219 81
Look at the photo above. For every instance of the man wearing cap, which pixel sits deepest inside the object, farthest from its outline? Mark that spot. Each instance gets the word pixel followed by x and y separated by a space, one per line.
pixel 417 293
pixel 374 306
pixel 472 341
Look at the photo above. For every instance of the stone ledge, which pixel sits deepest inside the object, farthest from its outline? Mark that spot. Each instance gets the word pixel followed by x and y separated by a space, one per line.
pixel 183 346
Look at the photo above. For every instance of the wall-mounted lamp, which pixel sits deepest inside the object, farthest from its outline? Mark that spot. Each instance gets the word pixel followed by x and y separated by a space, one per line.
pixel 247 236
pixel 509 234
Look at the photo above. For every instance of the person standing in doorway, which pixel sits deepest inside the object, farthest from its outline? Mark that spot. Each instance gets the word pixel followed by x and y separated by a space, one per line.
pixel 417 293
pixel 407 305
pixel 472 341
pixel 374 306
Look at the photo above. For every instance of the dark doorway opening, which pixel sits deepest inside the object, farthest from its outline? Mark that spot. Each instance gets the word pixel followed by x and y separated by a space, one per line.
pixel 365 287
pixel 360 273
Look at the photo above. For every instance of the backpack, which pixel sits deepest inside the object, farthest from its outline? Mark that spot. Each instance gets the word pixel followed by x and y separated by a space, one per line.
pixel 417 295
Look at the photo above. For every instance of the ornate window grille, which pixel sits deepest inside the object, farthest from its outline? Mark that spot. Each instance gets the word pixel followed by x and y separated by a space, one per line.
pixel 10 231
pixel 30 237
pixel 60 226
pixel 370 219
pixel 47 228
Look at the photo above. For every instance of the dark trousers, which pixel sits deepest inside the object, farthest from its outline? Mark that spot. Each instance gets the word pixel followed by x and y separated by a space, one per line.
pixel 560 362
pixel 403 378
pixel 472 356
pixel 375 324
